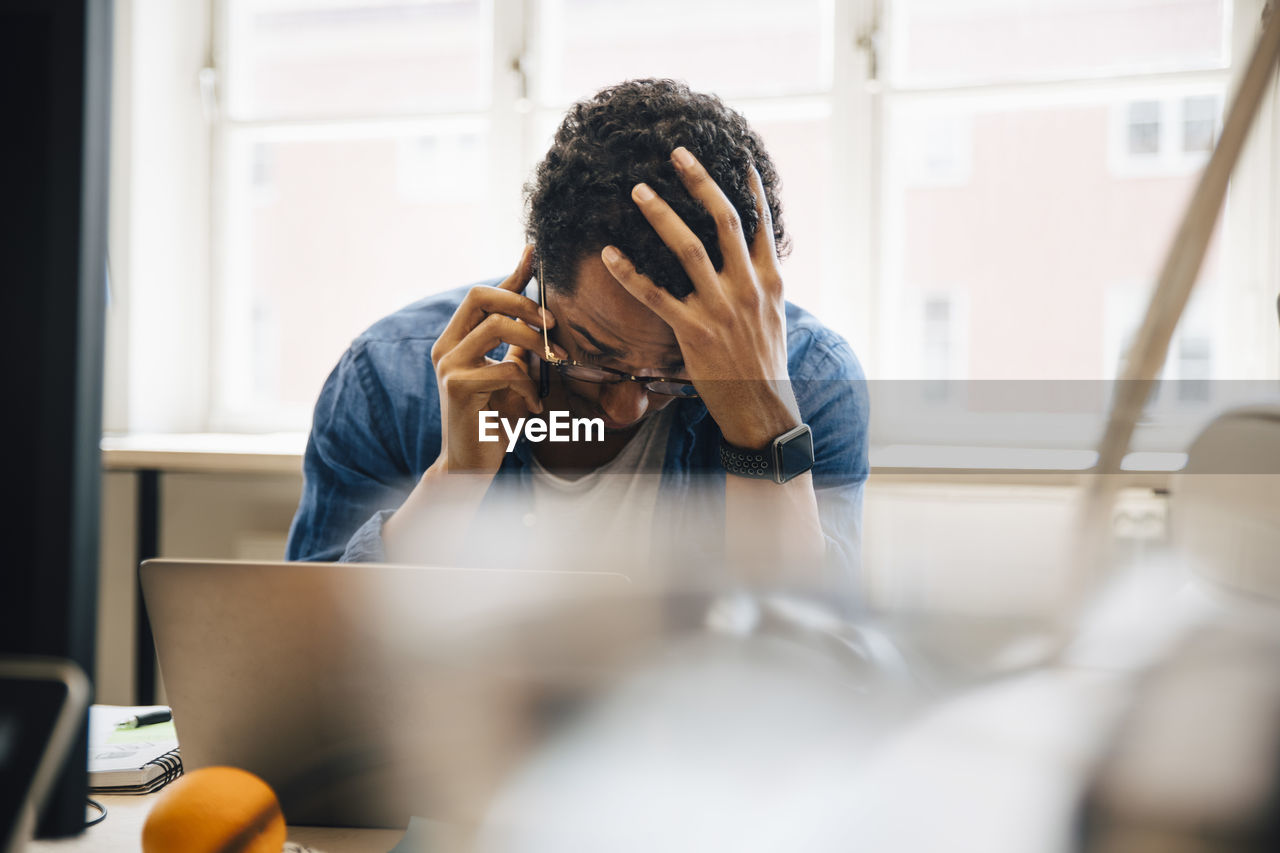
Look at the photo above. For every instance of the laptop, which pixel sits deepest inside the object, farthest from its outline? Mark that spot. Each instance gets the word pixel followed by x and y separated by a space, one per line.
pixel 366 694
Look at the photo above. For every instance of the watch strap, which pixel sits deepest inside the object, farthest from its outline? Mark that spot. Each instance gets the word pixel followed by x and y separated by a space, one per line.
pixel 757 464
pixel 772 462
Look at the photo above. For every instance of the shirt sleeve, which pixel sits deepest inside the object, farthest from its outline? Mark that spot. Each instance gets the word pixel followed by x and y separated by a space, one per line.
pixel 355 471
pixel 834 401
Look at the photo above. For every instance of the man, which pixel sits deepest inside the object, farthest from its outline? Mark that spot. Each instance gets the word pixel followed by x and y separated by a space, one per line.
pixel 658 312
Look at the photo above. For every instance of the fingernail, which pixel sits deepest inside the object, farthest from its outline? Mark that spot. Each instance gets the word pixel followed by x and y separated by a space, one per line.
pixel 560 352
pixel 643 192
pixel 611 254
pixel 682 157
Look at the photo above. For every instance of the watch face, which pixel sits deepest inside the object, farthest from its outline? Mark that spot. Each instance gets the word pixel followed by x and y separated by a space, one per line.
pixel 795 455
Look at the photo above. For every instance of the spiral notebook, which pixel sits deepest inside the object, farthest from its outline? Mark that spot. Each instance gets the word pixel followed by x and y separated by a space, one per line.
pixel 130 761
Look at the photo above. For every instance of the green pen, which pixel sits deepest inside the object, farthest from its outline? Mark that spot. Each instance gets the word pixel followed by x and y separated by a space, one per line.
pixel 148 719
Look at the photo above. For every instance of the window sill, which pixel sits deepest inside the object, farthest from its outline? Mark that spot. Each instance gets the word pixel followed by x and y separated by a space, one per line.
pixel 273 453
pixel 281 453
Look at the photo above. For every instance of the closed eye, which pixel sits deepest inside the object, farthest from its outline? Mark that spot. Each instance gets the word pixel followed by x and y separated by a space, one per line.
pixel 599 359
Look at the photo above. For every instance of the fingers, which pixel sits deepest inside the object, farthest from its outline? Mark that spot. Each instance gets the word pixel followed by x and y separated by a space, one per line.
pixel 484 301
pixel 493 331
pixel 678 237
pixel 763 250
pixel 502 375
pixel 733 246
pixel 481 301
pixel 658 300
pixel 517 354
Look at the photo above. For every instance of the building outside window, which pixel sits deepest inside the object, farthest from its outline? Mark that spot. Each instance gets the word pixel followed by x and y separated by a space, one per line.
pixel 1144 128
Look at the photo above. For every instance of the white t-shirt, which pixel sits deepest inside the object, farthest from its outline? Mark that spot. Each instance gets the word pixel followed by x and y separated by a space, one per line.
pixel 603 520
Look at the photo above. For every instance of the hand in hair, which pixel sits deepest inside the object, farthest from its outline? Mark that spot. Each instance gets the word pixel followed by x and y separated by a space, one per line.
pixel 732 327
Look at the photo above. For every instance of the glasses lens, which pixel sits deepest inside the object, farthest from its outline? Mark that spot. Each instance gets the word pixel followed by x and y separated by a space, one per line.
pixel 672 389
pixel 583 373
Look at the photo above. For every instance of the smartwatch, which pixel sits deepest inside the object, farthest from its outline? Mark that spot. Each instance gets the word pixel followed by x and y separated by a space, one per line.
pixel 786 457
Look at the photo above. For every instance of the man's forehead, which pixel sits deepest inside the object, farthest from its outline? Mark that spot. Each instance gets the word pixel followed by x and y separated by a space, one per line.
pixel 608 318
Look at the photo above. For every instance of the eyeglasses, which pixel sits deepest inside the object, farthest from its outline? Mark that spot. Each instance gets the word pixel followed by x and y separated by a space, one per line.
pixel 594 373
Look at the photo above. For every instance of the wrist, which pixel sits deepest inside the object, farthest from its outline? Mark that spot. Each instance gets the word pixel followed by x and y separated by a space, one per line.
pixel 430 525
pixel 757 426
pixel 459 477
pixel 788 456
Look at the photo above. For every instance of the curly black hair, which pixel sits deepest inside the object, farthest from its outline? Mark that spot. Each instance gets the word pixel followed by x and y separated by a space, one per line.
pixel 579 200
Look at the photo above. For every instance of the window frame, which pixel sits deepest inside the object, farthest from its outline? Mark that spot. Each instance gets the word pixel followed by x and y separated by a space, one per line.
pixel 518 121
pixel 192 318
pixel 1256 188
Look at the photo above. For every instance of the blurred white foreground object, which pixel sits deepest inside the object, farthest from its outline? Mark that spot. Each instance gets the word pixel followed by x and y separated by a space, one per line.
pixel 721 743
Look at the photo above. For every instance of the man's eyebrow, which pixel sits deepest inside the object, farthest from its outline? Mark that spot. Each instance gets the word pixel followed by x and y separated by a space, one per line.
pixel 605 349
pixel 615 353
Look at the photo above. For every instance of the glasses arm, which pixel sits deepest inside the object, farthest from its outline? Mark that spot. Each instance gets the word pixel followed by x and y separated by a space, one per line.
pixel 542 310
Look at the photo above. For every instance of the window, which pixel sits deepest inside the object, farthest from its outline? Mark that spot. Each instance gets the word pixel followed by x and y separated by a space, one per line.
pixel 1195 366
pixel 1075 131
pixel 1185 396
pixel 304 59
pixel 372 124
pixel 963 191
pixel 943 349
pixel 1191 352
pixel 953 43
pixel 1144 128
pixel 1170 136
pixel 372 152
pixel 440 167
pixel 587 44
pixel 937 337
pixel 1199 123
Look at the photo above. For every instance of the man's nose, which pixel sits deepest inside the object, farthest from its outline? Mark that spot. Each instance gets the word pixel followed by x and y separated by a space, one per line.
pixel 624 402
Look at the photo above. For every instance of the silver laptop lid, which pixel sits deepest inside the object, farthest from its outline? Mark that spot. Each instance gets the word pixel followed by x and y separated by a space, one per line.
pixel 365 694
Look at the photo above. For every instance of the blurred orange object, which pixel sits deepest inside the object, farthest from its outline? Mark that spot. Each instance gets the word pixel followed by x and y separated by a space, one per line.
pixel 222 809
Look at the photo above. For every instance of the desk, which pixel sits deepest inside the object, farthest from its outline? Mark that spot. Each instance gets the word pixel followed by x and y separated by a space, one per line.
pixel 121 832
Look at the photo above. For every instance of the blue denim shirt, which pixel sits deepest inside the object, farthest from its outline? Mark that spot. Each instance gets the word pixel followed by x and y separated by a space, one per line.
pixel 376 429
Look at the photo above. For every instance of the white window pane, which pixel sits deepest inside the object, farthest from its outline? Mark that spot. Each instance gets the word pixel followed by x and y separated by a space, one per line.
pixel 945 42
pixel 290 58
pixel 939 355
pixel 732 47
pixel 1144 127
pixel 1037 233
pixel 1199 123
pixel 1195 366
pixel 325 236
pixel 800 146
